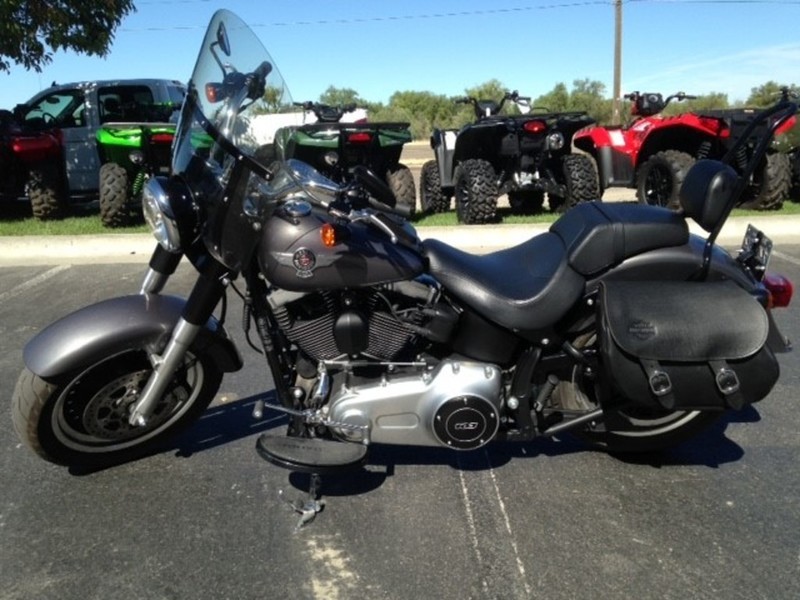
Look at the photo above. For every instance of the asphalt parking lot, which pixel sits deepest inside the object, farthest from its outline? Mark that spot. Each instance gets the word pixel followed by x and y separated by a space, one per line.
pixel 715 518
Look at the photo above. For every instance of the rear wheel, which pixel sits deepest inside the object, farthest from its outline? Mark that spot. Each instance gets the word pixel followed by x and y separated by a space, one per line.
pixel 115 211
pixel 581 181
pixel 771 184
pixel 661 176
pixel 82 419
pixel 629 429
pixel 44 192
pixel 432 198
pixel 476 192
pixel 401 182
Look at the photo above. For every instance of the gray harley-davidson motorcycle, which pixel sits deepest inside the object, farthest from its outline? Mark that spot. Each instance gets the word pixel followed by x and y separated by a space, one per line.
pixel 617 325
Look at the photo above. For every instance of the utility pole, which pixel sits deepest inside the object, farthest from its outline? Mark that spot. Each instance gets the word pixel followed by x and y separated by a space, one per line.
pixel 616 118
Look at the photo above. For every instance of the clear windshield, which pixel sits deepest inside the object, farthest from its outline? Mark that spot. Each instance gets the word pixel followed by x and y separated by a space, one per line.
pixel 229 103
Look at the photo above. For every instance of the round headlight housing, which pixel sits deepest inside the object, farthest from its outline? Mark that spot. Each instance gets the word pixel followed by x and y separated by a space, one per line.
pixel 159 216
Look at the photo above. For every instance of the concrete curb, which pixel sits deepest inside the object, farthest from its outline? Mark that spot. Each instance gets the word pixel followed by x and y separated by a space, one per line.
pixel 133 248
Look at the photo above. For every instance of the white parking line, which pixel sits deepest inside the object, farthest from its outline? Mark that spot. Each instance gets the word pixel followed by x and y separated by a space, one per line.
pixel 31 283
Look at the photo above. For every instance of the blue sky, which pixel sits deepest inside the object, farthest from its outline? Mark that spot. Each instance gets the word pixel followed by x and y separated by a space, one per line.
pixel 378 47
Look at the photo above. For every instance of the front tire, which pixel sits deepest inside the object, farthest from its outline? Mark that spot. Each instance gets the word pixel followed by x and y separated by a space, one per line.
pixel 661 176
pixel 81 419
pixel 476 192
pixel 114 207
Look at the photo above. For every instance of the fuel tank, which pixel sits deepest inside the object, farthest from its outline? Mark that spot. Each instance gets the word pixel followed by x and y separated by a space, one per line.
pixel 303 249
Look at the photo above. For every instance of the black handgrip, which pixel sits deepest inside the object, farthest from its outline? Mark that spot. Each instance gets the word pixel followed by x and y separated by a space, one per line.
pixel 257 84
pixel 375 186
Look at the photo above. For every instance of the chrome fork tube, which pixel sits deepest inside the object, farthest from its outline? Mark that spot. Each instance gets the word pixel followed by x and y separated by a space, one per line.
pixel 153 282
pixel 164 367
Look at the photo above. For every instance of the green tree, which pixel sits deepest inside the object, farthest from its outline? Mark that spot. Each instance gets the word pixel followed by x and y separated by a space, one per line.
pixel 31 30
pixel 711 101
pixel 556 100
pixel 334 96
pixel 767 94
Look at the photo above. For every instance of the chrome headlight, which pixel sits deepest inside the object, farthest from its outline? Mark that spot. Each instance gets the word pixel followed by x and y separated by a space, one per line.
pixel 159 216
pixel 555 141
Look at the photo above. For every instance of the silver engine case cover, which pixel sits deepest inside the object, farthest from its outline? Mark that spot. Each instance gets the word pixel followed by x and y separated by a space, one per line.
pixel 403 410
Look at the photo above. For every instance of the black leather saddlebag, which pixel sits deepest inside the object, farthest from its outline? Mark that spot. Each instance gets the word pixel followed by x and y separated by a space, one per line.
pixel 685 345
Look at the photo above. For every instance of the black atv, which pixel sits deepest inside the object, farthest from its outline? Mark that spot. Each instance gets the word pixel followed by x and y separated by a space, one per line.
pixel 334 148
pixel 524 156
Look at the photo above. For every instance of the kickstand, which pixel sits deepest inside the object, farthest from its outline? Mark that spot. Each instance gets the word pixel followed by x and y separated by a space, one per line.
pixel 307 507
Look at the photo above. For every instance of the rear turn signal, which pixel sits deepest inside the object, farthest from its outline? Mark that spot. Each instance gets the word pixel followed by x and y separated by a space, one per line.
pixel 780 290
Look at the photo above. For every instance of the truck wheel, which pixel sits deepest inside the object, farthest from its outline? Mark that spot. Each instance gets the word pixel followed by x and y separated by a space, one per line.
pixel 661 176
pixel 432 198
pixel 476 192
pixel 114 208
pixel 525 202
pixel 44 192
pixel 401 182
pixel 581 181
pixel 771 184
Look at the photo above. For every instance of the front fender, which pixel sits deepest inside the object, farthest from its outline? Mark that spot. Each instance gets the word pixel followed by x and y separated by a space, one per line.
pixel 100 330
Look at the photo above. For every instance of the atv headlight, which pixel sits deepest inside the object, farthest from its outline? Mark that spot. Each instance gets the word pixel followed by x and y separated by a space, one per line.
pixel 555 141
pixel 159 216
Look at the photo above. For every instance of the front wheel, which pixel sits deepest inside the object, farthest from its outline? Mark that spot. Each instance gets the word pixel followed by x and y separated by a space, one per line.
pixel 44 193
pixel 432 197
pixel 661 176
pixel 82 419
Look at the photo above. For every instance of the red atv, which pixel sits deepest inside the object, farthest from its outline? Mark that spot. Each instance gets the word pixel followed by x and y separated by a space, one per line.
pixel 31 165
pixel 654 152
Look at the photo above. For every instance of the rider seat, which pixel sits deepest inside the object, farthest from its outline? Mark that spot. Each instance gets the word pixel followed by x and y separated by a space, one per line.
pixel 528 287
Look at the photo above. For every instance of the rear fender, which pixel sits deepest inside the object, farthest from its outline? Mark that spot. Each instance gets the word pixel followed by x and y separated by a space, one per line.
pixel 100 330
pixel 443 143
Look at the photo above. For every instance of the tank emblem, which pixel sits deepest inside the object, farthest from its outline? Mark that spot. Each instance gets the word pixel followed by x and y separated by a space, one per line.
pixel 304 260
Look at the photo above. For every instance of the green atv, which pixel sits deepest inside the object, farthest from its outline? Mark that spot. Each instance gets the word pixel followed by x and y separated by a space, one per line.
pixel 130 154
pixel 334 148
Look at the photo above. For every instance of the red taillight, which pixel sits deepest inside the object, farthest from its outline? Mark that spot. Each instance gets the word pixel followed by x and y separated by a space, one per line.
pixel 162 138
pixel 359 138
pixel 780 290
pixel 787 125
pixel 535 126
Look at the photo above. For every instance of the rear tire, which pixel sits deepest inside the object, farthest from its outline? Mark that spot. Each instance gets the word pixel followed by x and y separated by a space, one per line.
pixel 432 198
pixel 771 184
pixel 661 176
pixel 401 182
pixel 115 209
pixel 476 192
pixel 81 419
pixel 44 193
pixel 581 181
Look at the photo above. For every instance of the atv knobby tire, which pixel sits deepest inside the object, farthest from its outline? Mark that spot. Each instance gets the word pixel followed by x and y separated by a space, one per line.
pixel 476 192
pixel 794 188
pixel 401 182
pixel 432 198
pixel 44 192
pixel 581 181
pixel 114 207
pixel 771 184
pixel 661 176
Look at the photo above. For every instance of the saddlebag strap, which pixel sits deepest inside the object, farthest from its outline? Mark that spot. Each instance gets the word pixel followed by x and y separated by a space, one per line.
pixel 727 383
pixel 660 383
